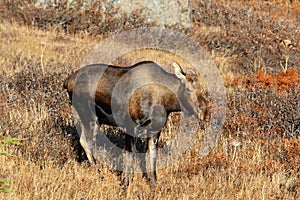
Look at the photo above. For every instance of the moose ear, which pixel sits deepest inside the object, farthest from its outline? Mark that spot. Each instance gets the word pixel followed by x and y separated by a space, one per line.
pixel 178 71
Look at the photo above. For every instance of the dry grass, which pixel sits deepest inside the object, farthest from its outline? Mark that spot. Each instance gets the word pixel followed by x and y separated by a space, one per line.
pixel 23 45
pixel 241 173
pixel 257 156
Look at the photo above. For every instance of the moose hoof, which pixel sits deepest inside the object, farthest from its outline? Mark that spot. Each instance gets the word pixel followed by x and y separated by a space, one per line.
pixel 153 182
pixel 146 178
pixel 101 178
pixel 124 183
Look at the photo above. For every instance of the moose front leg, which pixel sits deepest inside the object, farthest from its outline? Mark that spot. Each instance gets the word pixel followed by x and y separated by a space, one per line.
pixel 152 145
pixel 142 159
pixel 128 159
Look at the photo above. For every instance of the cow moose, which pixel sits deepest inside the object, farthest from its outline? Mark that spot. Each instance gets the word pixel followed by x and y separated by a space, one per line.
pixel 97 94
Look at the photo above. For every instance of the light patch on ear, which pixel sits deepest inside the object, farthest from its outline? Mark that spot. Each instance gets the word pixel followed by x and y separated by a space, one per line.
pixel 178 71
pixel 192 75
pixel 191 71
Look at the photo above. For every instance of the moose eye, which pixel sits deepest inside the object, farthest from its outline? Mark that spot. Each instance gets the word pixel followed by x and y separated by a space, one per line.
pixel 189 90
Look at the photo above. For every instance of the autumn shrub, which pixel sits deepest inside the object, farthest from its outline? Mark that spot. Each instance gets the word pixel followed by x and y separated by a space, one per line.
pixel 37 105
pixel 249 39
pixel 267 106
pixel 100 17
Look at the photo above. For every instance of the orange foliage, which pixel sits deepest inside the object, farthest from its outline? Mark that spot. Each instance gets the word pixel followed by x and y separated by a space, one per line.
pixel 293 8
pixel 218 159
pixel 285 80
pixel 292 147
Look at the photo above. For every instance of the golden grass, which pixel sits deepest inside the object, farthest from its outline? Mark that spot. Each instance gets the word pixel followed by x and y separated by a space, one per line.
pixel 219 176
pixel 21 45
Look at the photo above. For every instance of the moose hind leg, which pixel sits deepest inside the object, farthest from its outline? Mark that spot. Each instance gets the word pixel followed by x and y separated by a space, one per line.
pixel 85 145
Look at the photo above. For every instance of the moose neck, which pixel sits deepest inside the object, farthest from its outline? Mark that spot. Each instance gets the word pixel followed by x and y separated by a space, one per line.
pixel 172 100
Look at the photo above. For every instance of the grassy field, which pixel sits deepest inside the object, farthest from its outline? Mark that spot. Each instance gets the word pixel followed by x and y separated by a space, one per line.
pixel 256 47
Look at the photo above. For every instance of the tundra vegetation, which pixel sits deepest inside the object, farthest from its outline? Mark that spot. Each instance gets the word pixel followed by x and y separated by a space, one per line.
pixel 256 46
